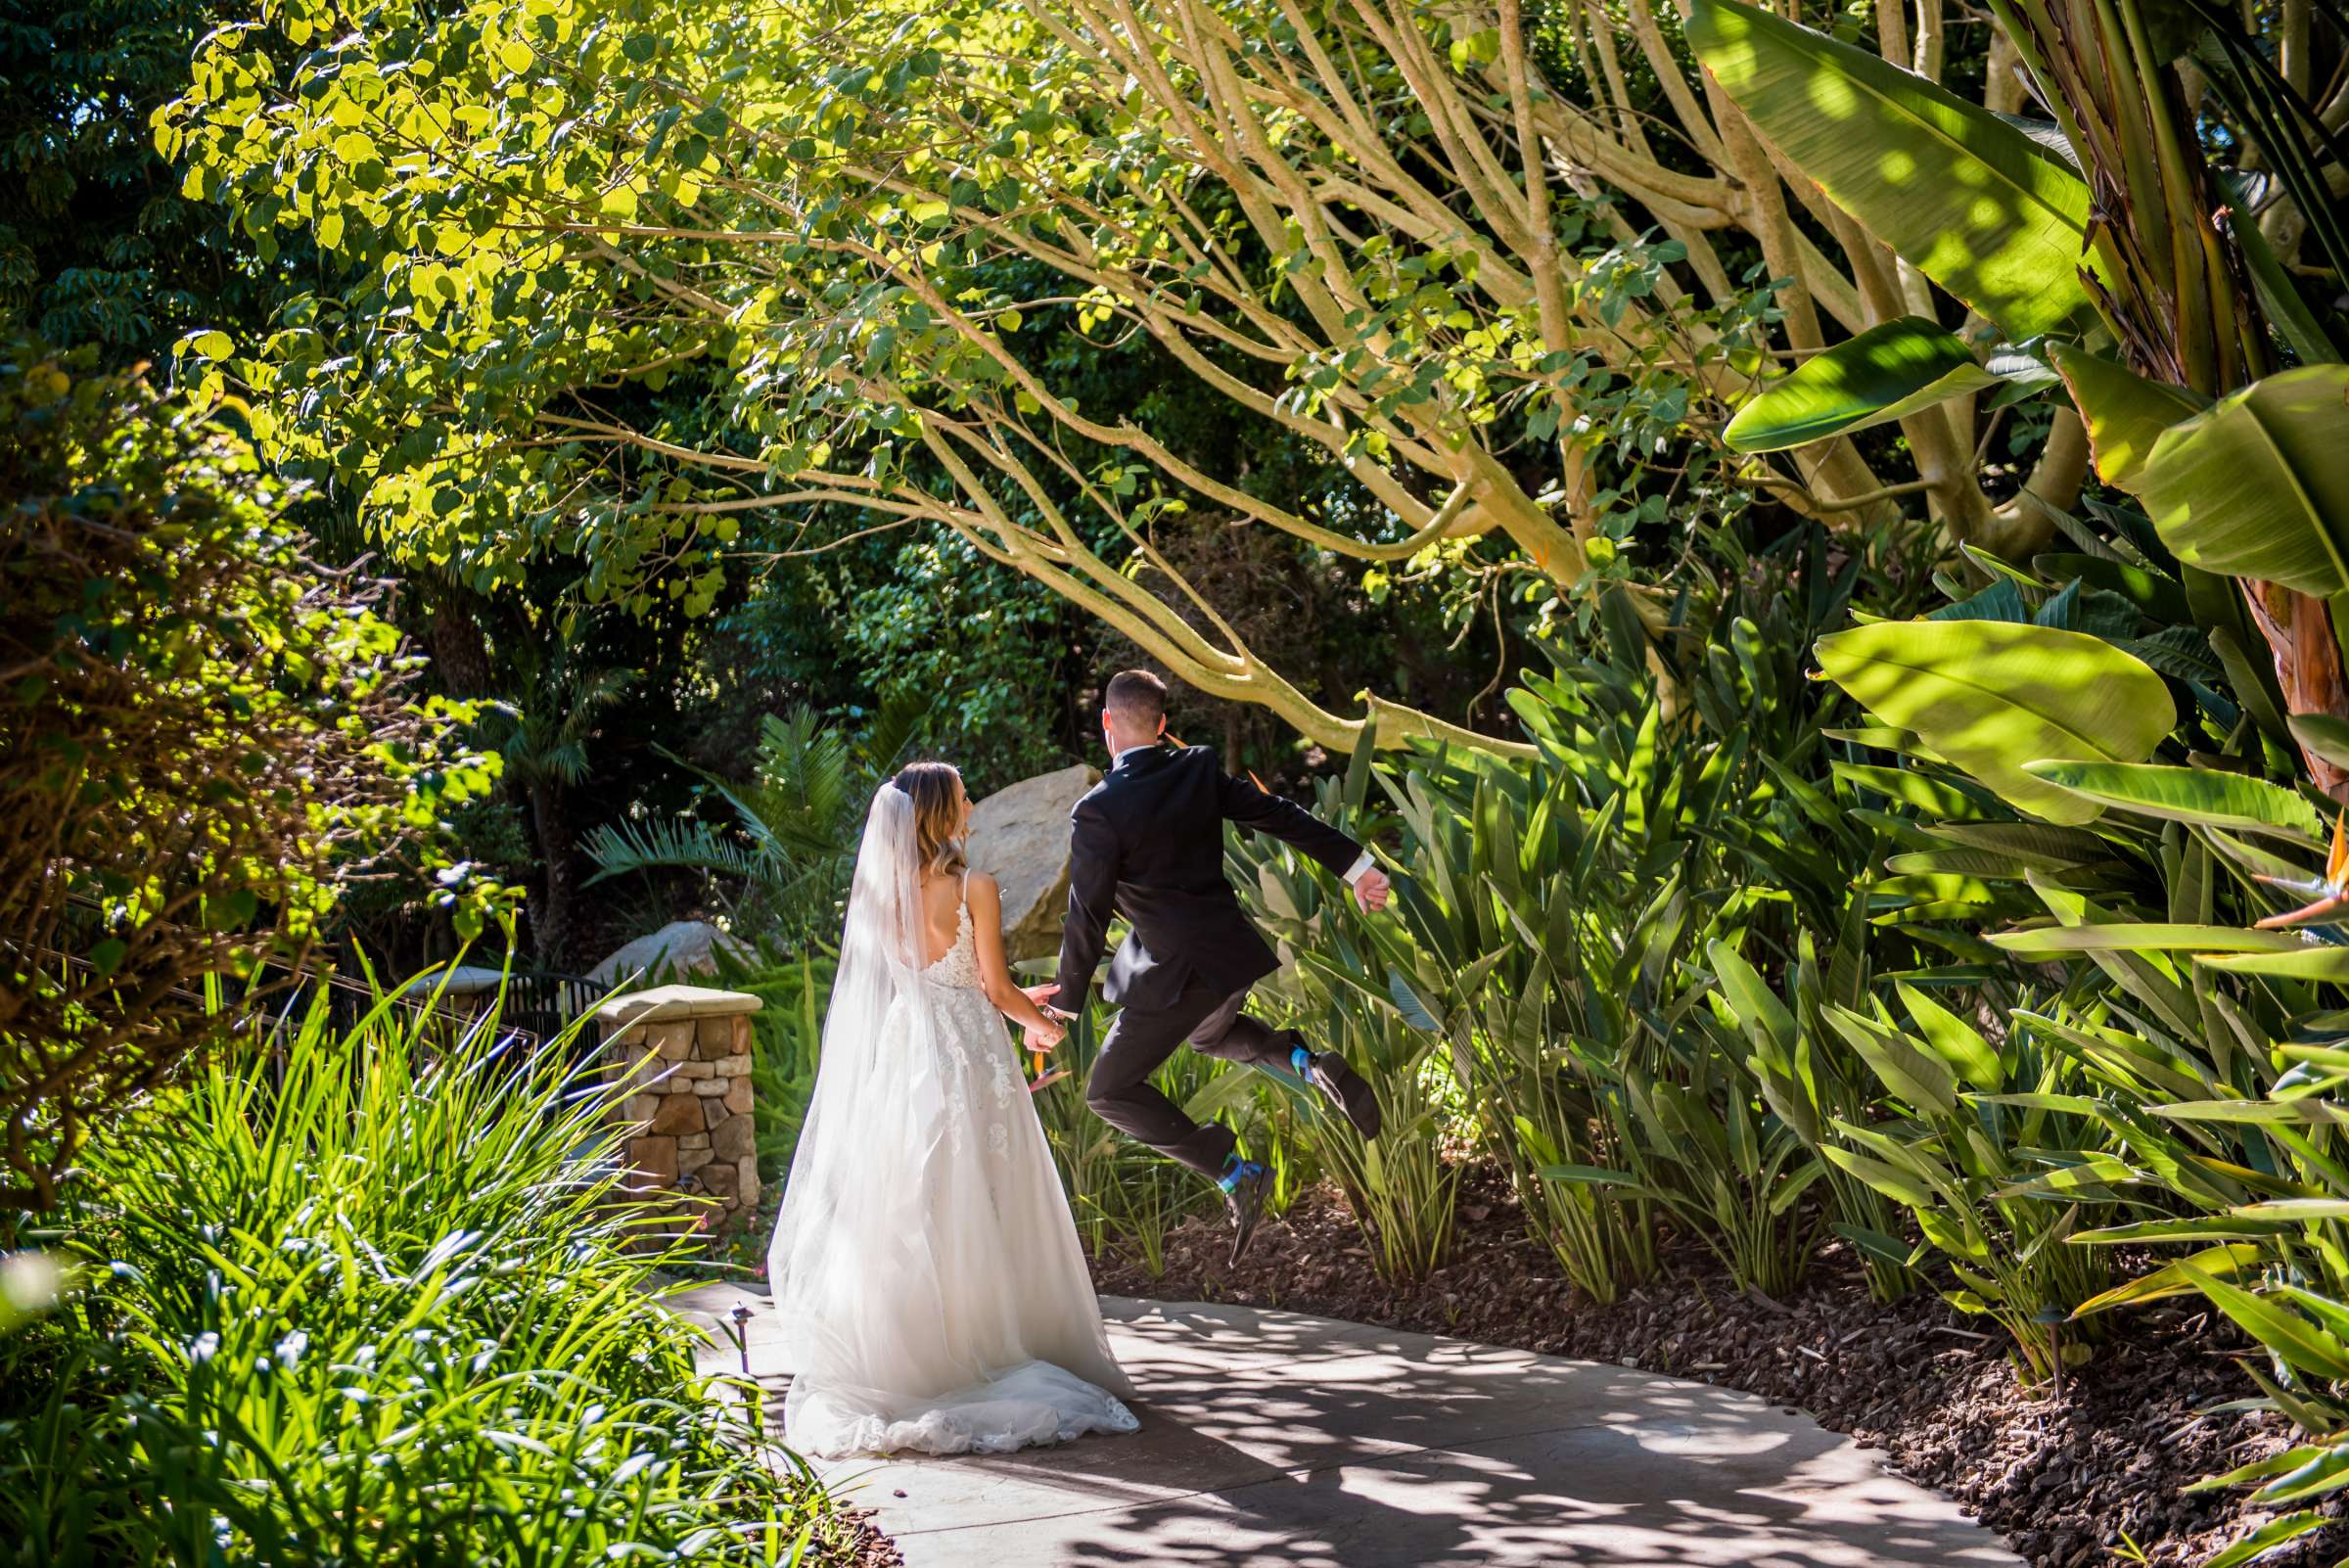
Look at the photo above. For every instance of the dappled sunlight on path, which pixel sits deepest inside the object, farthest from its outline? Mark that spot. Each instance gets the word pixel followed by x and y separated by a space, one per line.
pixel 1275 1438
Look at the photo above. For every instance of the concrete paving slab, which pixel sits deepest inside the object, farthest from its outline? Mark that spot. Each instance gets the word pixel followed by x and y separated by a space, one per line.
pixel 1275 1438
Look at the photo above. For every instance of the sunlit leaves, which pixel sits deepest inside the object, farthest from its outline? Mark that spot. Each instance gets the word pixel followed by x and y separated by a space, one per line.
pixel 1994 697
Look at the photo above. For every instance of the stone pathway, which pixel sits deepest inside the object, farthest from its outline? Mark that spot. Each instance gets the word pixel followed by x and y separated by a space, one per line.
pixel 1273 1438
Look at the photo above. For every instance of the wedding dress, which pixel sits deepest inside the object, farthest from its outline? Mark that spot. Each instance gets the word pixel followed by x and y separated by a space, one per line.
pixel 928 1276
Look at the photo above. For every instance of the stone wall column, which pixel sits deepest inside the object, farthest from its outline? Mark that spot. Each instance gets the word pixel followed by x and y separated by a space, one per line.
pixel 685 1053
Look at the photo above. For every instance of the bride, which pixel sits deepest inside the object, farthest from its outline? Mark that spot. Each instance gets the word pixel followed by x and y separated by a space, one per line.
pixel 924 1265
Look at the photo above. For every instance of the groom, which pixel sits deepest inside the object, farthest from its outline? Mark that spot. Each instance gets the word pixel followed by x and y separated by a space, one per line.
pixel 1149 844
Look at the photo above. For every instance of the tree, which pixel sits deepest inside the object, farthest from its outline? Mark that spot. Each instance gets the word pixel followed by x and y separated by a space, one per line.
pixel 544 737
pixel 202 739
pixel 101 245
pixel 1481 296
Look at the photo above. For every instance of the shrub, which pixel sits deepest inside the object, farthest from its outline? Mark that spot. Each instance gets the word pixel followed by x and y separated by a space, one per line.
pixel 200 736
pixel 373 1299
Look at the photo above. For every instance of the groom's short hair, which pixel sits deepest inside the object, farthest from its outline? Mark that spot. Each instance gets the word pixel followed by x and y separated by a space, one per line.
pixel 1137 694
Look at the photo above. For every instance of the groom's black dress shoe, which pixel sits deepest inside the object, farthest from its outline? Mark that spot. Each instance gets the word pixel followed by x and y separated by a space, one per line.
pixel 1348 1090
pixel 1247 1201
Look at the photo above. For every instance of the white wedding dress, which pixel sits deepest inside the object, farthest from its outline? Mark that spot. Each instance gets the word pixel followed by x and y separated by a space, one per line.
pixel 932 1291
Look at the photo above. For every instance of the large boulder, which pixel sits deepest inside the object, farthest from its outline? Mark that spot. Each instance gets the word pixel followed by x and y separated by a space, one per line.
pixel 679 949
pixel 1020 835
pixel 464 980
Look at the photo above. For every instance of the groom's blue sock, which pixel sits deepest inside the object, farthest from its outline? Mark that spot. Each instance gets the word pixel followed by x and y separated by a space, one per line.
pixel 1236 1171
pixel 1301 1062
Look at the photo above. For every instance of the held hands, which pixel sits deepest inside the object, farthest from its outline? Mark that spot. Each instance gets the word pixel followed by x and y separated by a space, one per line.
pixel 1039 1040
pixel 1370 890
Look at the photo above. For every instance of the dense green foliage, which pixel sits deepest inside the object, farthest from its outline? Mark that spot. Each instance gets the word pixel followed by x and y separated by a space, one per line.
pixel 100 244
pixel 203 738
pixel 1906 453
pixel 384 1305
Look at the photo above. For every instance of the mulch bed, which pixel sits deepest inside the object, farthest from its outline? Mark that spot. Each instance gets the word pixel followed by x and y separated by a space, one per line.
pixel 869 1548
pixel 2069 1477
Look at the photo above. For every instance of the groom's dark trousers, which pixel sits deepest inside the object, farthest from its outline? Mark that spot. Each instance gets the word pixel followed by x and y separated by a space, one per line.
pixel 1147 843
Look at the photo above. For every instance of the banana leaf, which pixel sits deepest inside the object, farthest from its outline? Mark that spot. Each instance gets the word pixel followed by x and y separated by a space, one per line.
pixel 2049 941
pixel 1993 697
pixel 2256 486
pixel 2169 1280
pixel 2200 795
pixel 1885 373
pixel 1974 203
pixel 2123 412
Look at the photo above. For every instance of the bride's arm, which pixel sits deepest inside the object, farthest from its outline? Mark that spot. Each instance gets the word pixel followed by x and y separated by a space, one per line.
pixel 994 974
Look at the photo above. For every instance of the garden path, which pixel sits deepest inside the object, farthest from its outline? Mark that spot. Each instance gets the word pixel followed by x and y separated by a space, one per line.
pixel 1274 1438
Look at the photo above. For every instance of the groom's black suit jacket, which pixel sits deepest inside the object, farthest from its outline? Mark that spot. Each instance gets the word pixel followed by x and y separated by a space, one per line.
pixel 1147 843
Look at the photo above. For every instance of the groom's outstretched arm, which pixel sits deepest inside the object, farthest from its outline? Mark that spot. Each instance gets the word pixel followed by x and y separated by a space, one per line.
pixel 1266 812
pixel 1093 897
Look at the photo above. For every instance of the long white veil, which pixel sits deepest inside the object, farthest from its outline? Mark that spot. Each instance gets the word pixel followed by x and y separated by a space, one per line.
pixel 832 1200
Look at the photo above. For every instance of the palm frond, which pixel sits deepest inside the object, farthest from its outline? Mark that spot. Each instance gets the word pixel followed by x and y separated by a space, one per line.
pixel 895 729
pixel 671 844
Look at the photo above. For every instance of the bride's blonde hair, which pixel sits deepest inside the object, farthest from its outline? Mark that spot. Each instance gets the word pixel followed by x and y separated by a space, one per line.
pixel 935 788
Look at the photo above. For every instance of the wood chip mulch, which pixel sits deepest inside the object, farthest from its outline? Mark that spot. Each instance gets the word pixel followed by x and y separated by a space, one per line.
pixel 2091 1474
pixel 867 1547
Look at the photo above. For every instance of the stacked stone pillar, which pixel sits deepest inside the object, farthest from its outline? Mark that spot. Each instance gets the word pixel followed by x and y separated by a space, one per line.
pixel 685 1053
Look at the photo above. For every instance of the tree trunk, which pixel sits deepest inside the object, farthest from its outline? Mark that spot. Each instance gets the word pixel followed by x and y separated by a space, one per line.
pixel 453 631
pixel 551 934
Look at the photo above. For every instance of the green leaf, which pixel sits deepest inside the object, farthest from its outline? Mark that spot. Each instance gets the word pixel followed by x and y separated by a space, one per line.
pixel 2278 295
pixel 2204 1229
pixel 2202 796
pixel 1964 1050
pixel 2274 1533
pixel 1973 201
pixel 1894 1184
pixel 2303 963
pixel 2298 1342
pixel 1885 373
pixel 1912 1073
pixel 1991 697
pixel 2256 1113
pixel 2323 734
pixel 2123 412
pixel 2171 1279
pixel 2050 942
pixel 2256 486
pixel 2163 598
pixel 1586 1175
pixel 1408 1001
pixel 2296 1210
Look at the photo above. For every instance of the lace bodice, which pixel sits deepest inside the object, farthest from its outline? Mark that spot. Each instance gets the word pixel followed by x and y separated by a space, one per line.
pixel 958 965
